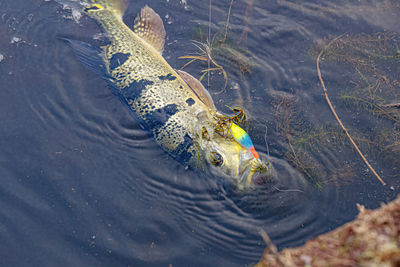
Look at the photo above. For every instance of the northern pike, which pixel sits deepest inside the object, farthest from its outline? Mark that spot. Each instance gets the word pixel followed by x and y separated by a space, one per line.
pixel 173 106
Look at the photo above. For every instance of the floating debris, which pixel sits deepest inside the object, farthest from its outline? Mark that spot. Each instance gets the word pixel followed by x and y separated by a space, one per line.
pixel 185 4
pixel 15 40
pixel 74 10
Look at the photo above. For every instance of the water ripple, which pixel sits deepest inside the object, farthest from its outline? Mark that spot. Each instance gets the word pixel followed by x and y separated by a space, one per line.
pixel 81 179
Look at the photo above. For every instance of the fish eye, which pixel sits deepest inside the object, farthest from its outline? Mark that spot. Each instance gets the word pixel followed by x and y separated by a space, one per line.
pixel 216 159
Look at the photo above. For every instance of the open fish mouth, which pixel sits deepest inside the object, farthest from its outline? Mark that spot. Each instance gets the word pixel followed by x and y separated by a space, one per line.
pixel 255 172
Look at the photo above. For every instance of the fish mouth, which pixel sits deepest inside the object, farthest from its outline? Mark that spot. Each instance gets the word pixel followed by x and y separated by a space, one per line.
pixel 255 172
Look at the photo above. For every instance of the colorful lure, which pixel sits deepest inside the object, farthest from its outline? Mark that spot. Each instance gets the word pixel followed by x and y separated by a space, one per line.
pixel 243 139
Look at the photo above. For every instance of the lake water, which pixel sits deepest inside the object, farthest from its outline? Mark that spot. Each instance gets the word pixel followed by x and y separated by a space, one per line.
pixel 82 185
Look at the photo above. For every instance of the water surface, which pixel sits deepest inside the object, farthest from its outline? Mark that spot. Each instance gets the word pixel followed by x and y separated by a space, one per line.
pixel 82 185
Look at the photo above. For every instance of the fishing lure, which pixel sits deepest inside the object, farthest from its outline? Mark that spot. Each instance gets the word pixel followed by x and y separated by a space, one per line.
pixel 243 138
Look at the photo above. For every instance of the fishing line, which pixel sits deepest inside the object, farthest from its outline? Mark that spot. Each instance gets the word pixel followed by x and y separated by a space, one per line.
pixel 209 44
pixel 266 142
pixel 268 158
pixel 288 190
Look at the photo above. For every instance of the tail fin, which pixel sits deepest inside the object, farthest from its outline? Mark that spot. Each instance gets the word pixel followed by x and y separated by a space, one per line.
pixel 115 6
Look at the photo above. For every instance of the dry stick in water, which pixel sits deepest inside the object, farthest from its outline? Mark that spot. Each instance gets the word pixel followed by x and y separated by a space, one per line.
pixel 247 15
pixel 337 117
pixel 395 105
pixel 272 249
pixel 267 240
pixel 227 22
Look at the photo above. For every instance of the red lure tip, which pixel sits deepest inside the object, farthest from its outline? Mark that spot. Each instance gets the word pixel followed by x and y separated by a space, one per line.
pixel 254 152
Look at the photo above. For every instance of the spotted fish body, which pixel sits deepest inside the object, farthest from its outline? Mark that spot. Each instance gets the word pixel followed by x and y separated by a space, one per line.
pixel 161 99
pixel 172 105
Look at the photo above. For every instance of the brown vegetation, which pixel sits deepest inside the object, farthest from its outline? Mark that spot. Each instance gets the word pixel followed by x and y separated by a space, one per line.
pixel 372 239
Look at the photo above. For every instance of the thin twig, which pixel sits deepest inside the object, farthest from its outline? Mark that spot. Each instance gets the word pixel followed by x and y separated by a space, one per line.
pixel 337 117
pixel 227 22
pixel 287 190
pixel 270 246
pixel 392 145
pixel 247 15
pixel 395 105
pixel 268 242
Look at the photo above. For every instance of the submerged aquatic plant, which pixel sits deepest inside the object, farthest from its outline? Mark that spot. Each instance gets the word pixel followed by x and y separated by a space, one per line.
pixel 317 138
pixel 205 54
pixel 374 89
pixel 217 49
pixel 302 141
pixel 375 60
pixel 376 86
pixel 375 106
pixel 290 127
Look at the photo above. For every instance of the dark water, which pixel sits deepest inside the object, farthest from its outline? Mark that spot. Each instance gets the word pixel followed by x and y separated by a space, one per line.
pixel 82 185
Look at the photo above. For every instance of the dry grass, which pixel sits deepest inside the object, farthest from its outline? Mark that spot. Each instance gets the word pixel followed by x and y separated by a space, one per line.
pixel 372 239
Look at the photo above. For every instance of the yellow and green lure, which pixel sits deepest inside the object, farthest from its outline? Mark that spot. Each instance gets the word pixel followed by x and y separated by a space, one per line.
pixel 243 139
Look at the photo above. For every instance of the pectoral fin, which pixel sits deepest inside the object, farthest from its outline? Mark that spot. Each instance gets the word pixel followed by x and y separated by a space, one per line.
pixel 197 88
pixel 149 26
pixel 92 57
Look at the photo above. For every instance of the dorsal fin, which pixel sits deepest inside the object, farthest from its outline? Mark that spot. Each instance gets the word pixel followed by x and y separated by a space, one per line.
pixel 149 26
pixel 197 88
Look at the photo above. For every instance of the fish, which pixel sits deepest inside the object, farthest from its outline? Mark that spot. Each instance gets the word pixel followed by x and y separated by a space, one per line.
pixel 172 105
